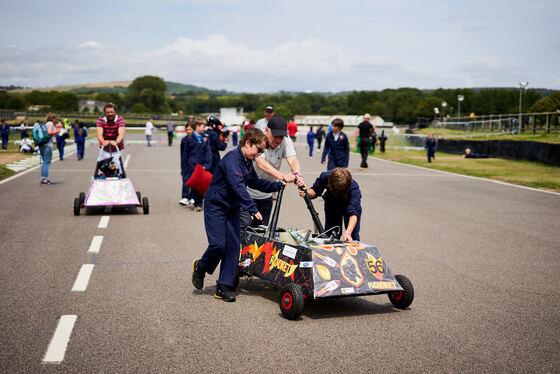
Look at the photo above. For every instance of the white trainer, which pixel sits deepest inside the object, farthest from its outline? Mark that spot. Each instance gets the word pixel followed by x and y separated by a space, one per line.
pixel 184 201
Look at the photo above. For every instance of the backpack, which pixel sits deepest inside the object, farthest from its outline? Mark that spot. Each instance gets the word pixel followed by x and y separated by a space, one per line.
pixel 40 135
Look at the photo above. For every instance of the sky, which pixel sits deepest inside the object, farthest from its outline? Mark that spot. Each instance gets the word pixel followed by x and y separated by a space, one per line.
pixel 291 45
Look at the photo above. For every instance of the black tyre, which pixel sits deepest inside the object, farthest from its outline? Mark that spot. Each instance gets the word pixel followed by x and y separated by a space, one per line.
pixel 145 205
pixel 402 299
pixel 291 301
pixel 139 196
pixel 77 206
pixel 82 197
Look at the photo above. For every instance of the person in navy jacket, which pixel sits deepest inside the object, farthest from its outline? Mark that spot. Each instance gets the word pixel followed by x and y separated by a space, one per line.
pixel 343 201
pixel 226 194
pixel 216 144
pixel 336 146
pixel 196 150
pixel 430 146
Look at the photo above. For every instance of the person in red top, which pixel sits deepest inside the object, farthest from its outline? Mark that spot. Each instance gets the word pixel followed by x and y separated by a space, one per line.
pixel 292 130
pixel 110 133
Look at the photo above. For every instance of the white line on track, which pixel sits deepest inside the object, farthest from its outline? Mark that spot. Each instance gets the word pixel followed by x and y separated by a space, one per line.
pixel 103 222
pixel 82 279
pixel 59 343
pixel 470 177
pixel 95 245
pixel 127 159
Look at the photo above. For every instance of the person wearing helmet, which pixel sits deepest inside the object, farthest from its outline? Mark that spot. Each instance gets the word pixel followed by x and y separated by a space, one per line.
pixel 216 144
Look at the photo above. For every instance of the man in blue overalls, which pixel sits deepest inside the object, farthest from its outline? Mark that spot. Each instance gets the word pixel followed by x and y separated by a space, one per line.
pixel 336 146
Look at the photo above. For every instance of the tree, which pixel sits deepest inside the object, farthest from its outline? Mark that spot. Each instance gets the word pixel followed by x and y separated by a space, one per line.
pixel 139 108
pixel 148 90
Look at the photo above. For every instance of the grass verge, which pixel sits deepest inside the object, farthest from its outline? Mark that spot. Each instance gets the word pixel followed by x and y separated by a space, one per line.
pixel 525 173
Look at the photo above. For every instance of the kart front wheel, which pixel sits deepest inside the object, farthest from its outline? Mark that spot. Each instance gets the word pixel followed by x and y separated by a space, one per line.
pixel 145 205
pixel 139 196
pixel 77 206
pixel 402 299
pixel 291 301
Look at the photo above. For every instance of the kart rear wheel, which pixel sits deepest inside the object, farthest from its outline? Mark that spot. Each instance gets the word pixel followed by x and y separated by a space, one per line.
pixel 402 299
pixel 82 197
pixel 77 206
pixel 145 205
pixel 291 301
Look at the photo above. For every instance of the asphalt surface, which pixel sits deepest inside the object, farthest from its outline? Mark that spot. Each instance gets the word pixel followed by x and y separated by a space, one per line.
pixel 483 258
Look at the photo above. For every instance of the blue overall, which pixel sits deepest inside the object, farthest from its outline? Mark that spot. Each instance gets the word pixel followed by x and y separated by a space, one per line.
pixel 311 142
pixel 431 145
pixel 5 133
pixel 225 196
pixel 60 143
pixel 339 208
pixel 216 145
pixel 338 151
pixel 80 141
pixel 195 151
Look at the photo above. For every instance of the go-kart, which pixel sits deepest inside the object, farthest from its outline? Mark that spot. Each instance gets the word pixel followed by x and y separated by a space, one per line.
pixel 307 265
pixel 110 187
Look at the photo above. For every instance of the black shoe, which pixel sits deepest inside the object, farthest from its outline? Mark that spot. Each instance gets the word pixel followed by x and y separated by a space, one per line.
pixel 197 276
pixel 225 293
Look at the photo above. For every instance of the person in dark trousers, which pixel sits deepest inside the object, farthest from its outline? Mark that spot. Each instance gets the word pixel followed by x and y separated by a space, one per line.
pixel 80 139
pixel 196 151
pixel 216 144
pixel 225 196
pixel 185 190
pixel 382 140
pixel 170 132
pixel 343 201
pixel 320 135
pixel 364 131
pixel 336 146
pixel 311 140
pixel 430 146
pixel 4 132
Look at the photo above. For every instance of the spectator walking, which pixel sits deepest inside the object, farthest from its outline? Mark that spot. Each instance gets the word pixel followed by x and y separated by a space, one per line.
pixel 311 140
pixel 292 130
pixel 61 139
pixel 234 135
pixel 23 130
pixel 148 131
pixel 320 135
pixel 46 150
pixel 364 131
pixel 170 133
pixel 382 140
pixel 225 196
pixel 336 146
pixel 80 140
pixel 4 133
pixel 430 146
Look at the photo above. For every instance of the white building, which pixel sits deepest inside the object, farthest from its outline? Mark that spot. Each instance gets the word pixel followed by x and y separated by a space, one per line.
pixel 232 116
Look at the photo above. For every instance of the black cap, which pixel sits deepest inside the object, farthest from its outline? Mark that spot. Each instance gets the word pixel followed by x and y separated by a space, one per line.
pixel 269 108
pixel 278 126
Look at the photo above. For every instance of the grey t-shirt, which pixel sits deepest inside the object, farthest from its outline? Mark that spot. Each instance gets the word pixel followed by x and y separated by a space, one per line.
pixel 274 157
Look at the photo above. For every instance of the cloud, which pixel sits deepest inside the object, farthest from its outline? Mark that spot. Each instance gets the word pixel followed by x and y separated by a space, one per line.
pixel 91 44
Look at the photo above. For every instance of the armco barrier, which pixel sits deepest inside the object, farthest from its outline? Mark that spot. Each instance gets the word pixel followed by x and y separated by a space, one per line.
pixel 547 153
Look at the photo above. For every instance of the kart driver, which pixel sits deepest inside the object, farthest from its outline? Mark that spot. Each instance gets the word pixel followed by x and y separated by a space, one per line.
pixel 110 134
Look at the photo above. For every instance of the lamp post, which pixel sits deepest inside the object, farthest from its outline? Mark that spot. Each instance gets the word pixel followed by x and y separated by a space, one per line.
pixel 443 105
pixel 436 114
pixel 459 99
pixel 522 86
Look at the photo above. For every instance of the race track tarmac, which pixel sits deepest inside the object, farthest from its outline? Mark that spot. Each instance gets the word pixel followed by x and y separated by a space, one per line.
pixel 484 259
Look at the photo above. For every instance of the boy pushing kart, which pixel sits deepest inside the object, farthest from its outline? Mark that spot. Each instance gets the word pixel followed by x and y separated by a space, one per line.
pixel 343 201
pixel 225 196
